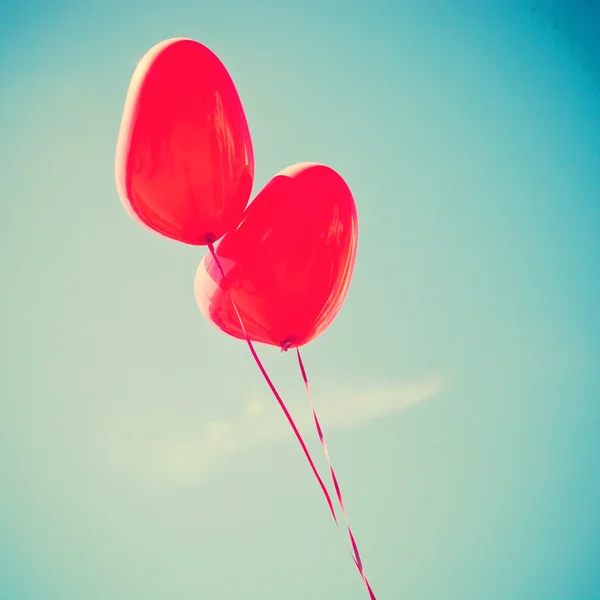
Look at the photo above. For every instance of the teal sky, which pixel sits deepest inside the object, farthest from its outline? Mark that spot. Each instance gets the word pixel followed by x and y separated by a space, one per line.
pixel 141 454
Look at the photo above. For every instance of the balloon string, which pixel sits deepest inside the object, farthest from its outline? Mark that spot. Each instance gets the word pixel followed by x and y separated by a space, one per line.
pixel 277 396
pixel 336 485
pixel 355 556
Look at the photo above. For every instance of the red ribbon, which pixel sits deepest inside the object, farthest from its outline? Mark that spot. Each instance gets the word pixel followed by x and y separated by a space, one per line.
pixel 355 555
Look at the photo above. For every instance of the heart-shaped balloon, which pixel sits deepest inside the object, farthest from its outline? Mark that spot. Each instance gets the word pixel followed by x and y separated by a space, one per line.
pixel 184 164
pixel 288 264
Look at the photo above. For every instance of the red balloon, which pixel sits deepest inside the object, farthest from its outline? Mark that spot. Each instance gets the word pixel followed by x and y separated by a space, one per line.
pixel 289 263
pixel 184 164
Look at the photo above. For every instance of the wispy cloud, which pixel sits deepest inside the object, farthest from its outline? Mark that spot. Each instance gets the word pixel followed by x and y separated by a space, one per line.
pixel 185 457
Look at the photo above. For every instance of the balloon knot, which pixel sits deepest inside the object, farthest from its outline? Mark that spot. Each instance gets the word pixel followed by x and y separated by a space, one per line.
pixel 210 238
pixel 285 346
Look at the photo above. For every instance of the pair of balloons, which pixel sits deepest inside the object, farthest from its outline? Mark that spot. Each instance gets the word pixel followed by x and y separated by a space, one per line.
pixel 185 169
